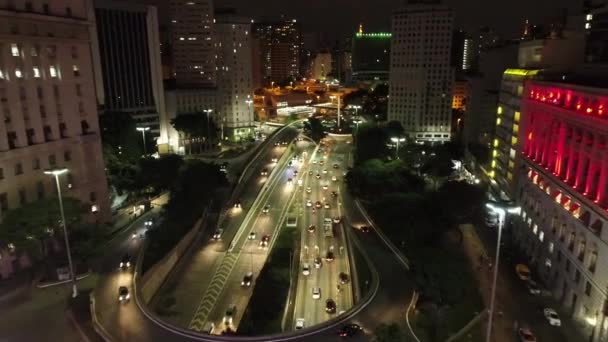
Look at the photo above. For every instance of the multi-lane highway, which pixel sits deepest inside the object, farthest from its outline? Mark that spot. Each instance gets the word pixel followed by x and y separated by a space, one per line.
pixel 128 323
pixel 324 252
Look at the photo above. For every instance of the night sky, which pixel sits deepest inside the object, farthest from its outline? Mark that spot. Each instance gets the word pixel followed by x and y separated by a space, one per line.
pixel 338 19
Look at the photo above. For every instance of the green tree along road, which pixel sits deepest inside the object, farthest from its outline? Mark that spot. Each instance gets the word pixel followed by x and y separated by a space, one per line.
pixel 195 185
pixel 314 129
pixel 265 310
pixel 423 225
pixel 31 226
pixel 196 130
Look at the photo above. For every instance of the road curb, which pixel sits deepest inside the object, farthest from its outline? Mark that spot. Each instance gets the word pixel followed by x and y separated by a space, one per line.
pixel 61 282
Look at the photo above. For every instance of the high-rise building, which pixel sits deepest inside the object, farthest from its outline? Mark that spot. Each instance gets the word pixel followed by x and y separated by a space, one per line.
pixel 342 62
pixel 563 193
pixel 49 109
pixel 371 52
pixel 234 112
pixel 321 66
pixel 464 52
pixel 128 50
pixel 193 49
pixel 421 76
pixel 280 48
pixel 558 54
pixel 596 27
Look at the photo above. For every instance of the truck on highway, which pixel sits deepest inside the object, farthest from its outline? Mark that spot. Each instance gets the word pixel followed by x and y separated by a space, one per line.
pixel 328 228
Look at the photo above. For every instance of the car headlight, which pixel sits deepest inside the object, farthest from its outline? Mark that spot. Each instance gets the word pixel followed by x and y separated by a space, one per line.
pixel 127 296
pixel 128 264
pixel 121 264
pixel 242 283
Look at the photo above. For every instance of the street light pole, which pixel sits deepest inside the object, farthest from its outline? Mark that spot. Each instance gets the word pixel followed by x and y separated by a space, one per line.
pixel 397 140
pixel 143 136
pixel 501 209
pixel 208 112
pixel 55 173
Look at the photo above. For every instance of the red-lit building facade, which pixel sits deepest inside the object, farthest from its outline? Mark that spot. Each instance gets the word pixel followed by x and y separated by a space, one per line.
pixel 563 192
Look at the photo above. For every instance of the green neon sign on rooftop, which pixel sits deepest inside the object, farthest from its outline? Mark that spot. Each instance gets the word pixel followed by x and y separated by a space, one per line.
pixel 373 35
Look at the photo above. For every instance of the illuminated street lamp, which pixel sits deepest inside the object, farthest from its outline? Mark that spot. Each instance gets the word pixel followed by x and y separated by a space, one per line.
pixel 333 97
pixel 208 113
pixel 357 122
pixel 397 140
pixel 501 209
pixel 56 172
pixel 143 135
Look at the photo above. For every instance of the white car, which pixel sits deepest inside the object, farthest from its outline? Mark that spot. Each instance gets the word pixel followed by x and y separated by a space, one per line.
pixel 230 312
pixel 123 294
pixel 218 234
pixel 300 323
pixel 533 287
pixel 247 279
pixel 325 187
pixel 324 171
pixel 308 189
pixel 337 219
pixel 306 269
pixel 552 316
pixel 308 203
pixel 251 236
pixel 334 179
pixel 266 209
pixel 316 293
pixel 274 160
pixel 326 205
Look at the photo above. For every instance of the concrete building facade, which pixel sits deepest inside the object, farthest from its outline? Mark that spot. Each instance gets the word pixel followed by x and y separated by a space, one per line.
pixel 128 50
pixel 48 109
pixel 234 111
pixel 421 74
pixel 563 191
pixel 193 49
pixel 280 49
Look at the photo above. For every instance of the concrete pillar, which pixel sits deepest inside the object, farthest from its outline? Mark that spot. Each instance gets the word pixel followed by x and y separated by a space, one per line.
pixel 600 195
pixel 560 156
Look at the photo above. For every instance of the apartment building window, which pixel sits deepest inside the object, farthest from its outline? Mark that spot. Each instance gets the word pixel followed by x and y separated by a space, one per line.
pixel 53 71
pixel 92 197
pixel 581 250
pixel 39 92
pixel 3 202
pixel 18 73
pixel 592 261
pixel 571 241
pixel 36 163
pixel 1 173
pixel 45 9
pixel 577 276
pixel 79 90
pixel 40 190
pixel 35 50
pixel 56 90
pixel 80 107
pixel 62 130
pixel 67 156
pixel 18 169
pixel 12 139
pixel 84 126
pixel 36 72
pixel 15 50
pixel 74 51
pixel 48 133
pixel 22 197
pixel 52 160
pixel 29 7
pixel 70 178
pixel 76 70
pixel 68 11
pixel 51 51
pixel 588 288
pixel 31 136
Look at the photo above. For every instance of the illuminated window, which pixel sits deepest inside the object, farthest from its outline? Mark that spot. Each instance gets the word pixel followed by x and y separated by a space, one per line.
pixel 513 140
pixel 494 153
pixel 587 26
pixel 499 110
pixel 36 72
pixel 511 165
pixel 498 121
pixel 512 153
pixel 515 129
pixel 1 75
pixel 516 117
pixel 589 17
pixel 76 70
pixel 18 73
pixel 15 50
pixel 541 236
pixel 551 247
pixel 494 163
pixel 548 262
pixel 53 71
pixel 535 229
pixel 520 90
pixel 495 142
pixel 509 176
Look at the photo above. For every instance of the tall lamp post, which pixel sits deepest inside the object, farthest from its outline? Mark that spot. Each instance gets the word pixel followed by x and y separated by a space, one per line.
pixel 356 121
pixel 501 209
pixel 143 136
pixel 55 172
pixel 333 97
pixel 208 113
pixel 397 140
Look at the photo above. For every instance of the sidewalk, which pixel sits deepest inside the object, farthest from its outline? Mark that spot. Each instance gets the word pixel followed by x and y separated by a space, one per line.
pixel 503 327
pixel 513 301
